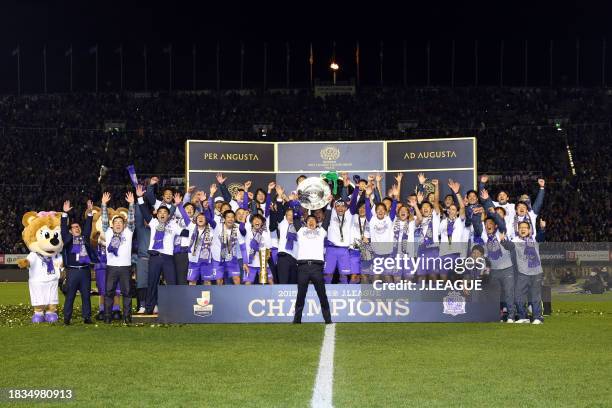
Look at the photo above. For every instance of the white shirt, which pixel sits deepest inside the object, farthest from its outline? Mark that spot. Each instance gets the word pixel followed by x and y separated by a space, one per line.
pixel 38 268
pixel 172 229
pixel 283 226
pixel 339 230
pixel 273 234
pixel 457 244
pixel 124 254
pixel 381 234
pixel 505 260
pixel 311 243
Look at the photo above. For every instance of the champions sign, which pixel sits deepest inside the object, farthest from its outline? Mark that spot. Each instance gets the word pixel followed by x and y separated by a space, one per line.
pixel 348 303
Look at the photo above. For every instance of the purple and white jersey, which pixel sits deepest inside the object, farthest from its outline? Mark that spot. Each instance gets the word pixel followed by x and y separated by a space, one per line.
pixel 226 243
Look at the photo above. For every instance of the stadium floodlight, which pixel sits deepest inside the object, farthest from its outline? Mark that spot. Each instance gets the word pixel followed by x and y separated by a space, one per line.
pixel 334 67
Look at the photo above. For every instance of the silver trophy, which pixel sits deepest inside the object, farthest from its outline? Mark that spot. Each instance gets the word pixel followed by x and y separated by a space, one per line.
pixel 313 193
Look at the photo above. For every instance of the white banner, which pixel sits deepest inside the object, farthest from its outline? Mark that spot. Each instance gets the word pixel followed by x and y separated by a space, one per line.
pixel 11 259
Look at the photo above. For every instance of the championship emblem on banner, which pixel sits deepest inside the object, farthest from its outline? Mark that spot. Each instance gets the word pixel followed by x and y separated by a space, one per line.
pixel 330 153
pixel 454 304
pixel 203 308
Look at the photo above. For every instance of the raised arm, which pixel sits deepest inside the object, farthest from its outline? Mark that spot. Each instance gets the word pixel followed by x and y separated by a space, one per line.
pixel 395 191
pixel 354 199
pixel 89 220
pixel 486 201
pixel 271 186
pixel 436 202
pixel 66 235
pixel 398 179
pixel 188 193
pixel 327 218
pixel 223 188
pixel 455 188
pixel 104 215
pixel 245 195
pixel 149 195
pixel 368 206
pixel 539 201
pixel 131 219
pixel 417 213
pixel 184 214
pixel 144 209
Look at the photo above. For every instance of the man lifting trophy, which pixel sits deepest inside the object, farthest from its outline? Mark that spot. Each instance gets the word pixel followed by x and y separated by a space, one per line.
pixel 313 193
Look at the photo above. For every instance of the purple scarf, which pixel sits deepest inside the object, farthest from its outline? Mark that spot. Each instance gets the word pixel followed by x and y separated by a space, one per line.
pixel 113 246
pixel 255 243
pixel 530 252
pixel 227 247
pixel 427 239
pixel 49 262
pixel 493 247
pixel 202 241
pixel 450 227
pixel 158 238
pixel 291 237
pixel 78 248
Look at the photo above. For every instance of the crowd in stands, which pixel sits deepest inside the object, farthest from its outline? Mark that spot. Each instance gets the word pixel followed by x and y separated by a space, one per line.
pixel 54 145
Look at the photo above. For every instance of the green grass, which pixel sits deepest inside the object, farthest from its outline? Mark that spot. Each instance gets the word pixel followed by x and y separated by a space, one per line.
pixel 567 362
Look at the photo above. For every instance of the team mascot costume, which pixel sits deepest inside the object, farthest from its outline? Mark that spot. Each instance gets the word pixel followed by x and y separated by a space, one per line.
pixel 42 235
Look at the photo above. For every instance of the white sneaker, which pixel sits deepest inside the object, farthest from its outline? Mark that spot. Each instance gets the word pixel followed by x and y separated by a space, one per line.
pixel 155 310
pixel 537 321
pixel 523 321
pixel 141 310
pixel 510 321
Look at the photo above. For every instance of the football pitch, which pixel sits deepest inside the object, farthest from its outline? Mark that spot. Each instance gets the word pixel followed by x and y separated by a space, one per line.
pixel 567 362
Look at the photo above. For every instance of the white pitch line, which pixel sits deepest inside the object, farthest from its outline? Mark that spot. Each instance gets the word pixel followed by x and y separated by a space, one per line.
pixel 324 384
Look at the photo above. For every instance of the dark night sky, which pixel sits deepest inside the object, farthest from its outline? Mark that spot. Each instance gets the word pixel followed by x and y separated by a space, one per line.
pixel 32 24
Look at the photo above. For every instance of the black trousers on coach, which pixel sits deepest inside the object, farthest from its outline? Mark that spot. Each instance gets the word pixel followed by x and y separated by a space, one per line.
pixel 311 272
pixel 181 264
pixel 286 269
pixel 121 275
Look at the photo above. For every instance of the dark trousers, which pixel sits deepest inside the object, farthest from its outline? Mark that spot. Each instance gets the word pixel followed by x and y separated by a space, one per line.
pixel 78 279
pixel 311 272
pixel 181 263
pixel 159 264
pixel 121 275
pixel 286 269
